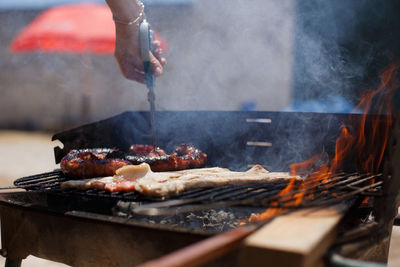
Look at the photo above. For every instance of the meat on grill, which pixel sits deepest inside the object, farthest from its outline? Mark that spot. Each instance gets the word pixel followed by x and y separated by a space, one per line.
pixel 141 179
pixel 88 163
pixel 146 151
pixel 172 183
pixel 184 157
pixel 123 180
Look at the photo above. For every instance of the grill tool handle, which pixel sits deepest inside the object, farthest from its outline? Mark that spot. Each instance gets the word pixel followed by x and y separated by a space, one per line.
pixel 146 37
pixel 146 46
pixel 204 251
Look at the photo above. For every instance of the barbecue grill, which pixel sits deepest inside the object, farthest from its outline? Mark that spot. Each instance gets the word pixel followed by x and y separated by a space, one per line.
pixel 94 227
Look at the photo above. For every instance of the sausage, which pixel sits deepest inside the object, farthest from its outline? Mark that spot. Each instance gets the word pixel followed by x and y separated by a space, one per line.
pixel 100 162
pixel 185 157
pixel 88 163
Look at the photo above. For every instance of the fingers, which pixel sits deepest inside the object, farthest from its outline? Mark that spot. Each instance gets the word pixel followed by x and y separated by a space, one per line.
pixel 131 71
pixel 135 75
pixel 131 64
pixel 156 66
pixel 131 67
pixel 158 52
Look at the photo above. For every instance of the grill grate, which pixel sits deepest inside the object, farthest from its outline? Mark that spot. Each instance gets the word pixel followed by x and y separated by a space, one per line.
pixel 43 181
pixel 340 187
pixel 51 181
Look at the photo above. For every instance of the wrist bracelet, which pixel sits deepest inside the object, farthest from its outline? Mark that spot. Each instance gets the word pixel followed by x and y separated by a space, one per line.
pixel 134 21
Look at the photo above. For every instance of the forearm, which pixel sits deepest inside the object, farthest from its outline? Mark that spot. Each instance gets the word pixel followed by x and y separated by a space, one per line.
pixel 125 10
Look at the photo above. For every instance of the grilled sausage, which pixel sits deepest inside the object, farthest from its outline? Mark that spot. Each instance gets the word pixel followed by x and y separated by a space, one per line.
pixel 100 162
pixel 87 163
pixel 185 157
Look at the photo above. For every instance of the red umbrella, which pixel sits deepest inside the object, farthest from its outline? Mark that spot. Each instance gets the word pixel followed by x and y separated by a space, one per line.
pixel 76 28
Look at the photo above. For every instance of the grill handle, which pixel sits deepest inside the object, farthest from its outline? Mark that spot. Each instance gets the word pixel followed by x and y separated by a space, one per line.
pixel 204 251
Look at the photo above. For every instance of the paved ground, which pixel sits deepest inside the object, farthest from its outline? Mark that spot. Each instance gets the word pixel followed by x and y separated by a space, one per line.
pixel 25 154
pixel 394 253
pixel 30 153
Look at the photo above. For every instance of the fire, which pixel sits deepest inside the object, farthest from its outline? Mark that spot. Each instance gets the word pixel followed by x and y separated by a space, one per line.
pixel 372 136
pixel 382 96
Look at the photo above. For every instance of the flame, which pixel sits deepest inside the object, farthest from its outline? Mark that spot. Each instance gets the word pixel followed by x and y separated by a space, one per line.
pixel 371 137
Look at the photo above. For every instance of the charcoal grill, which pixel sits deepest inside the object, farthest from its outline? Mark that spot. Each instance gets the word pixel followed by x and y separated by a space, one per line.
pixel 62 225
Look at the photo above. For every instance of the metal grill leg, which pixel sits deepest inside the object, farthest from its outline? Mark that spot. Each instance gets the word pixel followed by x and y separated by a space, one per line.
pixel 397 220
pixel 13 263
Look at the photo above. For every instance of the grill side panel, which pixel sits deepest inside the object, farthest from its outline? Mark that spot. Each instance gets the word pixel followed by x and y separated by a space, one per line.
pixel 233 139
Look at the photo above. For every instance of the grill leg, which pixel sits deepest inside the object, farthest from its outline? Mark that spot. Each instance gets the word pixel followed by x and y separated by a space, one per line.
pixel 13 263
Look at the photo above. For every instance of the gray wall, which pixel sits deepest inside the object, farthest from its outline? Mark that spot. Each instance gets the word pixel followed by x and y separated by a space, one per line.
pixel 222 53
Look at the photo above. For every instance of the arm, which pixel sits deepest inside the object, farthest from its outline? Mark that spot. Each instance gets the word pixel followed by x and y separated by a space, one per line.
pixel 127 49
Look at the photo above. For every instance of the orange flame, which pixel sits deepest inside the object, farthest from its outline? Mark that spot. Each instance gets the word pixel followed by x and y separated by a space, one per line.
pixel 371 138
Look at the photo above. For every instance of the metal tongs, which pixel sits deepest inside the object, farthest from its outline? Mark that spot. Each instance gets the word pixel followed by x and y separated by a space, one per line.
pixel 146 37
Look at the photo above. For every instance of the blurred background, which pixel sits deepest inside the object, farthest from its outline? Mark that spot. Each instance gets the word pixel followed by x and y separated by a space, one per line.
pixel 277 55
pixel 223 55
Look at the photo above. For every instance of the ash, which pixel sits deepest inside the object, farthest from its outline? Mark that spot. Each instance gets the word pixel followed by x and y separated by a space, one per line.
pixel 218 220
pixel 212 219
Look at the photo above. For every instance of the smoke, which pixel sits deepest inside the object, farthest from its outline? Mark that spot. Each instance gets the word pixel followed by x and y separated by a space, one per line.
pixel 341 46
pixel 224 53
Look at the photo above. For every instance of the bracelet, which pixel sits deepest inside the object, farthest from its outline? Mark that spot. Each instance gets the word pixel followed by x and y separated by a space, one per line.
pixel 134 21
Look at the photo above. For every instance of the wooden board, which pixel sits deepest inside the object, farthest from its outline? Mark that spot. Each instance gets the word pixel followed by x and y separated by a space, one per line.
pixel 297 239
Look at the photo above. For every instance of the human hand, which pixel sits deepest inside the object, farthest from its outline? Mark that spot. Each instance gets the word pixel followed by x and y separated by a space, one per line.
pixel 127 54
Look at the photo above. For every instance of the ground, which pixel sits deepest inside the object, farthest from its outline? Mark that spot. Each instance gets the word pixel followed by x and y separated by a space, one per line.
pixel 25 153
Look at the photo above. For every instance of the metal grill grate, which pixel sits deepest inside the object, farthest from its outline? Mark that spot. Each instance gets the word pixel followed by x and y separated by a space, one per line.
pixel 338 188
pixel 43 181
pixel 51 181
